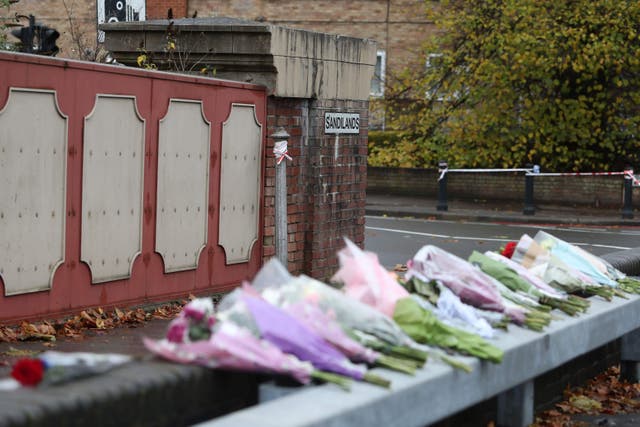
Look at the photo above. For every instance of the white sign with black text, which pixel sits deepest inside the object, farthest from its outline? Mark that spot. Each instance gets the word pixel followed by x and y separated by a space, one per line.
pixel 341 123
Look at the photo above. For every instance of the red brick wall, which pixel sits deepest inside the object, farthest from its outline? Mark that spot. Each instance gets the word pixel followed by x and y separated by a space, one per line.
pixel 398 26
pixel 595 191
pixel 157 9
pixel 326 193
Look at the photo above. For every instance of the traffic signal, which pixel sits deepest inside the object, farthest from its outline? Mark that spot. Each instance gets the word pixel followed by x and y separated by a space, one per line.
pixel 37 38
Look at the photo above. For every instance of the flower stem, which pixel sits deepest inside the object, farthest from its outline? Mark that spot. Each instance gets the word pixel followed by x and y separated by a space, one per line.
pixel 329 377
pixel 409 353
pixel 396 364
pixel 455 363
pixel 372 378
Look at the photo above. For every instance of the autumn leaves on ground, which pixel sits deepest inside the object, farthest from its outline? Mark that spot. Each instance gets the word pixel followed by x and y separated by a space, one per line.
pixel 86 322
pixel 604 394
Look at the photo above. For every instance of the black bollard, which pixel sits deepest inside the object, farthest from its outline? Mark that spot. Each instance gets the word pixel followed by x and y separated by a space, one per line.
pixel 529 207
pixel 627 207
pixel 442 186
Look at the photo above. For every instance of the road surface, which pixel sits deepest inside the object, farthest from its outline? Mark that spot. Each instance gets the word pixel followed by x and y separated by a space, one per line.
pixel 395 240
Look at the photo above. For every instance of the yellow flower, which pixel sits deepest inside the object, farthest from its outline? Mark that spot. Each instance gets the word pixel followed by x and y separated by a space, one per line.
pixel 141 60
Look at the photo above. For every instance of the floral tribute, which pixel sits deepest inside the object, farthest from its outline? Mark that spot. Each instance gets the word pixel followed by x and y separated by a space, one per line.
pixel 53 367
pixel 507 250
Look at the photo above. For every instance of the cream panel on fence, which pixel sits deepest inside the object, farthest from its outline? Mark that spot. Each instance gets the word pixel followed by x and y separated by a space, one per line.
pixel 112 185
pixel 240 183
pixel 33 147
pixel 183 185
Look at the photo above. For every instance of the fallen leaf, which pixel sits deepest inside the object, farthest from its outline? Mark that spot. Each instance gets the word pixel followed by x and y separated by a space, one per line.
pixel 85 316
pixel 7 334
pixel 585 404
pixel 14 352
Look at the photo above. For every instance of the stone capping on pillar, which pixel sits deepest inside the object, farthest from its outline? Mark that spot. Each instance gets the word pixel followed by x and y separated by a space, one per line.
pixel 291 63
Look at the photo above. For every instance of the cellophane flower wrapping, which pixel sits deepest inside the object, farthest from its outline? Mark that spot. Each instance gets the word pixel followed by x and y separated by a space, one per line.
pixel 534 280
pixel 55 367
pixel 423 326
pixel 234 348
pixel 285 332
pixel 280 288
pixel 596 268
pixel 365 280
pixel 504 274
pixel 450 309
pixel 465 280
pixel 194 322
pixel 331 331
pixel 549 268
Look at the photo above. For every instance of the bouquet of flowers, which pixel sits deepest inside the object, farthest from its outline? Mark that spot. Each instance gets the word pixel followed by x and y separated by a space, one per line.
pixel 589 264
pixel 196 338
pixel 450 309
pixel 366 280
pixel 326 327
pixel 554 271
pixel 246 309
pixel 503 270
pixel 453 312
pixel 54 367
pixel 358 320
pixel 465 280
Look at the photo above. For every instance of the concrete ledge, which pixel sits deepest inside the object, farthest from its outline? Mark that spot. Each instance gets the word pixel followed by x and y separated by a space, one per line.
pixel 438 391
pixel 291 62
pixel 140 393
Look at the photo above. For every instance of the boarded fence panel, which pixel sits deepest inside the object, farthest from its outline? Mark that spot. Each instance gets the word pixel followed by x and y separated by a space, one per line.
pixel 110 185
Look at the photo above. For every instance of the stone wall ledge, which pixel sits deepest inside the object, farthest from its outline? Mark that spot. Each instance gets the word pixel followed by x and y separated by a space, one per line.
pixel 438 391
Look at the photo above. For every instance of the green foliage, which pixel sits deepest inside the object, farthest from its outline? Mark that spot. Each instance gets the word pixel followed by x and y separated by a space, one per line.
pixel 4 6
pixel 387 148
pixel 177 54
pixel 517 81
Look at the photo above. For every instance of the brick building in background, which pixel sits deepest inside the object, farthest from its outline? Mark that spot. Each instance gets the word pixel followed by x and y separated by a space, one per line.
pixel 397 26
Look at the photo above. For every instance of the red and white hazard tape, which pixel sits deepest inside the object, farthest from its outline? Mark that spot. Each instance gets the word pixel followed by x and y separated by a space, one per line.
pixel 578 173
pixel 442 172
pixel 628 174
pixel 631 176
pixel 280 151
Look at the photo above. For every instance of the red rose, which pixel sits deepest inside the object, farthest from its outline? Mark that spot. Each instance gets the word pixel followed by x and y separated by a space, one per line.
pixel 28 372
pixel 508 249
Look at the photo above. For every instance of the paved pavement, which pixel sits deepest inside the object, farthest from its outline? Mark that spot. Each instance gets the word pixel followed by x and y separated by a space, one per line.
pixel 482 210
pixel 138 394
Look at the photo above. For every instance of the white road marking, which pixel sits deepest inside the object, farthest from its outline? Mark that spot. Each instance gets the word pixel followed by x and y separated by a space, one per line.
pixel 627 231
pixel 486 239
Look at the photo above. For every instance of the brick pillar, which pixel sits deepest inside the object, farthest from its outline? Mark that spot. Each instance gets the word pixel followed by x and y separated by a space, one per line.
pixel 337 179
pixel 158 9
pixel 326 185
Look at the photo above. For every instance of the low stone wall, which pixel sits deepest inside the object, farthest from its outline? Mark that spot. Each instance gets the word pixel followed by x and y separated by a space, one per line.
pixel 596 191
